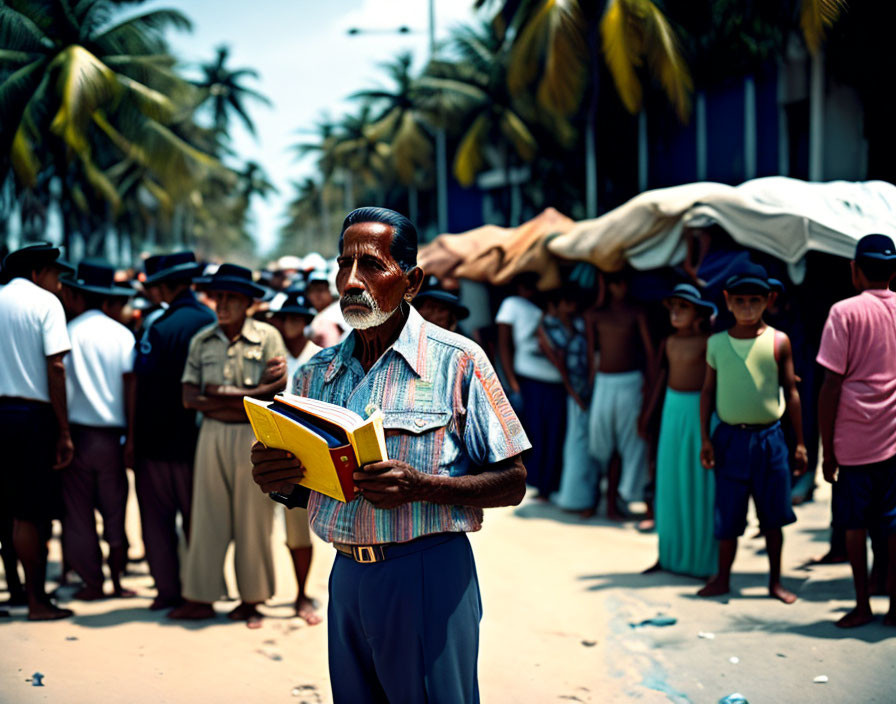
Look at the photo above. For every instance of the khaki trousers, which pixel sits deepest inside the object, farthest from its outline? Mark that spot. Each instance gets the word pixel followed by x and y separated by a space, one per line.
pixel 228 505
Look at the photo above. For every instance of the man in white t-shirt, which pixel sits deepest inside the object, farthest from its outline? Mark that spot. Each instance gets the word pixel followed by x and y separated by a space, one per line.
pixel 101 359
pixel 34 432
pixel 535 386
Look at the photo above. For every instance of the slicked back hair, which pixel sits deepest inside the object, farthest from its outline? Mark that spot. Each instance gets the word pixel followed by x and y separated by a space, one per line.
pixel 403 246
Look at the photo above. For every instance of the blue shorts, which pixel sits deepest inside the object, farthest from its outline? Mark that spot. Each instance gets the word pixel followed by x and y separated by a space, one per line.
pixel 865 496
pixel 751 462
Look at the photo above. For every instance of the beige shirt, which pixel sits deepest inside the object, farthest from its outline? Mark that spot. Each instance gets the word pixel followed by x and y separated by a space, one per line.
pixel 213 359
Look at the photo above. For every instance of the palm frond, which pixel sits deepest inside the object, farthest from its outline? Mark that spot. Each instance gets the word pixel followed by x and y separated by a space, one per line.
pixel 554 32
pixel 622 51
pixel 666 61
pixel 816 16
pixel 150 102
pixel 19 30
pixel 468 159
pixel 25 163
pixel 519 135
pixel 84 83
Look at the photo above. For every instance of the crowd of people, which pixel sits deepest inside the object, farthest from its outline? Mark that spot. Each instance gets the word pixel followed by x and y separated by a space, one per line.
pixel 690 405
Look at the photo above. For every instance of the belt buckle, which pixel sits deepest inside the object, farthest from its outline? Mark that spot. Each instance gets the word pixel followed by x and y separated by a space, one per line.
pixel 364 554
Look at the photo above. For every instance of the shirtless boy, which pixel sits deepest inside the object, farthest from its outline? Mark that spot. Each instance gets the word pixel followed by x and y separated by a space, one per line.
pixel 622 338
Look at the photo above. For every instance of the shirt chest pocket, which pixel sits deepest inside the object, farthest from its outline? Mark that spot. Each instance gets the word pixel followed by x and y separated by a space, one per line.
pixel 421 438
pixel 251 367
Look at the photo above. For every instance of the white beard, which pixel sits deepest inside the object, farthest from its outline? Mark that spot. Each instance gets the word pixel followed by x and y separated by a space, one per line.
pixel 374 317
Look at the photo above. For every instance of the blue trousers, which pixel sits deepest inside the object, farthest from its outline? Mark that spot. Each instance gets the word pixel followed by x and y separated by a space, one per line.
pixel 406 630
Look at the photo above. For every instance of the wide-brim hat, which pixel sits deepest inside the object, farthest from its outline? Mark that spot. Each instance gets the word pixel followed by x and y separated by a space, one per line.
pixel 97 276
pixel 175 266
pixel 293 304
pixel 690 293
pixel 449 299
pixel 35 255
pixel 232 278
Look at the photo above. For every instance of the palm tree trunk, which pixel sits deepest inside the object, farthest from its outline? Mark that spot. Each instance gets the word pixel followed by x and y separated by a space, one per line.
pixel 412 203
pixel 591 203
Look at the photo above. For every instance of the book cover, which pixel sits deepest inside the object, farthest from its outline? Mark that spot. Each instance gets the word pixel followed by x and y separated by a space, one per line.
pixel 331 441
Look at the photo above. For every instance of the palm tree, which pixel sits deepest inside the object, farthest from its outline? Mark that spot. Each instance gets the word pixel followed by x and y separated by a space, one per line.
pixel 222 91
pixel 554 48
pixel 473 92
pixel 79 89
pixel 307 218
pixel 403 125
pixel 362 157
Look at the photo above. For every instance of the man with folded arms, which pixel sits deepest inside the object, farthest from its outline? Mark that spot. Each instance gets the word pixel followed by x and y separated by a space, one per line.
pixel 97 369
pixel 34 431
pixel 227 361
pixel 404 604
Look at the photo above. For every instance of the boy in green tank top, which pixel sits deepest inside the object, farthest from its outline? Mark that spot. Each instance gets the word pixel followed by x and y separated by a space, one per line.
pixel 750 383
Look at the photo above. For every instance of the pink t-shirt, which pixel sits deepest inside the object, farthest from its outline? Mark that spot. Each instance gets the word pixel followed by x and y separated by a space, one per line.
pixel 859 342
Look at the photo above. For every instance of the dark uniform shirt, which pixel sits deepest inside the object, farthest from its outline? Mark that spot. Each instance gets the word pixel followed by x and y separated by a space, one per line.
pixel 166 430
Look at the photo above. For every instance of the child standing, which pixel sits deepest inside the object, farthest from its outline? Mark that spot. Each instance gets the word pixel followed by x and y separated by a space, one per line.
pixel 747 367
pixel 562 338
pixel 684 490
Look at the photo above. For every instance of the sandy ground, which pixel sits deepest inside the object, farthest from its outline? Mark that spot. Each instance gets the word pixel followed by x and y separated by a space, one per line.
pixel 560 595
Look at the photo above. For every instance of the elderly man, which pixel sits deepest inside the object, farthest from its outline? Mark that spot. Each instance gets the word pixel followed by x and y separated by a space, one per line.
pixel 404 599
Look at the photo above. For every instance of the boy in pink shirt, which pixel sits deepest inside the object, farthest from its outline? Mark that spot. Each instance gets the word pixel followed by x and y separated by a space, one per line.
pixel 857 415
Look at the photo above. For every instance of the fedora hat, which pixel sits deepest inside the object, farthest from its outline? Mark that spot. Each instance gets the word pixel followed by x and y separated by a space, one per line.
pixel 31 256
pixel 96 276
pixel 293 304
pixel 233 278
pixel 449 299
pixel 179 265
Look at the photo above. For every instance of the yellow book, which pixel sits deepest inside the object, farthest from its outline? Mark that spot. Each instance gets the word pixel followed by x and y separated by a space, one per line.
pixel 329 440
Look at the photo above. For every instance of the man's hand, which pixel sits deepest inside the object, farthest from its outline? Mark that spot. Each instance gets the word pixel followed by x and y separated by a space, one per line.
pixel 276 367
pixel 275 470
pixel 800 460
pixel 829 469
pixel 389 484
pixel 65 451
pixel 707 455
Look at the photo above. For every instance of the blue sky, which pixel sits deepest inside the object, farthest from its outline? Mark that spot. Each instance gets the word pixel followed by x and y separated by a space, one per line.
pixel 308 65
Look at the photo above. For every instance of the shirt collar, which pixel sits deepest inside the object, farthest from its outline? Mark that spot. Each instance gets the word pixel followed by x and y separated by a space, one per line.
pixel 185 298
pixel 407 345
pixel 249 332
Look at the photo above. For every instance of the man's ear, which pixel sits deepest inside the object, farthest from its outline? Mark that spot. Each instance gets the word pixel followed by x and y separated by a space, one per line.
pixel 415 281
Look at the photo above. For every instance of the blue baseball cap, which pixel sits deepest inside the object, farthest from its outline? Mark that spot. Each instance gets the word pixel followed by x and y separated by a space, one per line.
pixel 748 276
pixel 879 247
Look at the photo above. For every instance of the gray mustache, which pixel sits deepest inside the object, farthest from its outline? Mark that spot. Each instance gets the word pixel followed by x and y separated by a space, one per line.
pixel 358 299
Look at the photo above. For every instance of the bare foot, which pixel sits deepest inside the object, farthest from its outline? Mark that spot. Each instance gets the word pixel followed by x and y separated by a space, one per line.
pixel 715 587
pixel 192 611
pixel 829 558
pixel 16 599
pixel 779 592
pixel 856 617
pixel 89 594
pixel 654 568
pixel 123 593
pixel 646 525
pixel 244 612
pixel 45 611
pixel 614 515
pixel 588 513
pixel 306 611
pixel 160 603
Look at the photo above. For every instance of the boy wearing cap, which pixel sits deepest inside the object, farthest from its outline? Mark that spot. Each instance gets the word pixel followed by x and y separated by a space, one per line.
pixel 747 367
pixel 34 430
pixel 857 415
pixel 101 359
pixel 227 361
pixel 291 318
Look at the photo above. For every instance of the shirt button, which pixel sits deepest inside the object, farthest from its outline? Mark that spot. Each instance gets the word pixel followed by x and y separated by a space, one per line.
pixel 248 381
pixel 419 422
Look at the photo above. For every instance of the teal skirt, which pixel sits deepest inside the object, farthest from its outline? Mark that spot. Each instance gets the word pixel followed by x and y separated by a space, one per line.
pixel 685 491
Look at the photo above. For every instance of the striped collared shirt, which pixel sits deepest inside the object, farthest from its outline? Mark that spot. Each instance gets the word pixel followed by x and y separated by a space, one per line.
pixel 445 413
